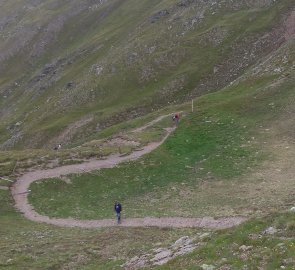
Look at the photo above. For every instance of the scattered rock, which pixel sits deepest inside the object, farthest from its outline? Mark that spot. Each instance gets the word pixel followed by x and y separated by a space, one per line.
pixel 207 267
pixel 161 255
pixel 158 15
pixel 270 230
pixel 185 240
pixel 66 179
pixel 254 236
pixel 70 85
pixel 205 235
pixel 278 70
pixel 245 248
pixel 97 69
pixel 184 250
pixel 224 267
pixel 223 260
pixel 292 209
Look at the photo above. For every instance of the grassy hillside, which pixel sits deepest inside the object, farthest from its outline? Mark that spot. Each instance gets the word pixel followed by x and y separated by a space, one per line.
pixel 217 149
pixel 251 120
pixel 75 72
pixel 94 64
pixel 27 245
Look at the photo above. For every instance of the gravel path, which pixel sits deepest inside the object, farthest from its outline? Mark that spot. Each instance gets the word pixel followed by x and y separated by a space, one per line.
pixel 151 123
pixel 20 190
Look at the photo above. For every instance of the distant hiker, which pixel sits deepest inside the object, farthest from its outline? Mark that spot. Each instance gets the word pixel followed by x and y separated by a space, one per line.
pixel 118 209
pixel 176 118
pixel 57 147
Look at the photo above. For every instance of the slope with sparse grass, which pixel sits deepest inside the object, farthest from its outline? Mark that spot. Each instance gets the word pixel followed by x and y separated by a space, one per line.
pixel 213 159
pixel 94 64
pixel 232 156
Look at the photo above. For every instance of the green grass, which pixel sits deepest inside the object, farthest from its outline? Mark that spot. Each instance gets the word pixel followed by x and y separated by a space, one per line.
pixel 218 144
pixel 28 245
pixel 213 143
pixel 266 252
pixel 206 167
pixel 182 59
pixel 12 162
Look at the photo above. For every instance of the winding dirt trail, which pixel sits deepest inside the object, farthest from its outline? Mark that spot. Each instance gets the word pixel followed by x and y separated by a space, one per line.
pixel 151 123
pixel 20 190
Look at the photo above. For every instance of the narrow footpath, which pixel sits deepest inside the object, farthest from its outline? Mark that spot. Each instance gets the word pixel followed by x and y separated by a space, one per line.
pixel 20 190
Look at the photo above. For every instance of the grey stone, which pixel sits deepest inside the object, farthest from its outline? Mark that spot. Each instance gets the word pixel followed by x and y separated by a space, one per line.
pixel 162 255
pixel 270 230
pixel 205 235
pixel 159 15
pixel 245 248
pixel 134 259
pixel 163 261
pixel 184 250
pixel 185 240
pixel 207 267
pixel 158 250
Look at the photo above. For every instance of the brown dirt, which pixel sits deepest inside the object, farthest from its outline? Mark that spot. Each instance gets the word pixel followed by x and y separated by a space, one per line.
pixel 20 190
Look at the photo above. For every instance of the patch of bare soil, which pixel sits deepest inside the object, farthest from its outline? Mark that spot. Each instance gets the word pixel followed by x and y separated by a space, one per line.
pixel 271 188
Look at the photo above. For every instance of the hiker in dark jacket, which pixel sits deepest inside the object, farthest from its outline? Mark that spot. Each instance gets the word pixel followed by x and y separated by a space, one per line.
pixel 118 209
pixel 176 118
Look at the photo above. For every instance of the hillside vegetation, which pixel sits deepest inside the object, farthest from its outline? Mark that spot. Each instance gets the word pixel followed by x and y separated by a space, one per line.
pixel 70 69
pixel 217 161
pixel 104 77
pixel 251 120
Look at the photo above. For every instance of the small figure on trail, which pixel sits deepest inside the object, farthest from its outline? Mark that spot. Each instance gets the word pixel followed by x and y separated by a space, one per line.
pixel 57 147
pixel 118 209
pixel 176 118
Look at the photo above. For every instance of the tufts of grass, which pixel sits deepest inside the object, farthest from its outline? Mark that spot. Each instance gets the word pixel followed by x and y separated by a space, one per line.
pixel 28 245
pixel 213 143
pixel 133 79
pixel 226 250
pixel 218 143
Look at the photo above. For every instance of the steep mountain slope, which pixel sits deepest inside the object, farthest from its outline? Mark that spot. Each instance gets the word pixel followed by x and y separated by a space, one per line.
pixel 232 156
pixel 71 68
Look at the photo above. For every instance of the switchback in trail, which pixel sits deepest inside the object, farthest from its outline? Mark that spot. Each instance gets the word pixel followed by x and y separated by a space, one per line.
pixel 20 190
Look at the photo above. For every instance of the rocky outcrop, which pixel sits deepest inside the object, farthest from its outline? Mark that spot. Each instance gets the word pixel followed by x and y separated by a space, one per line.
pixel 160 256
